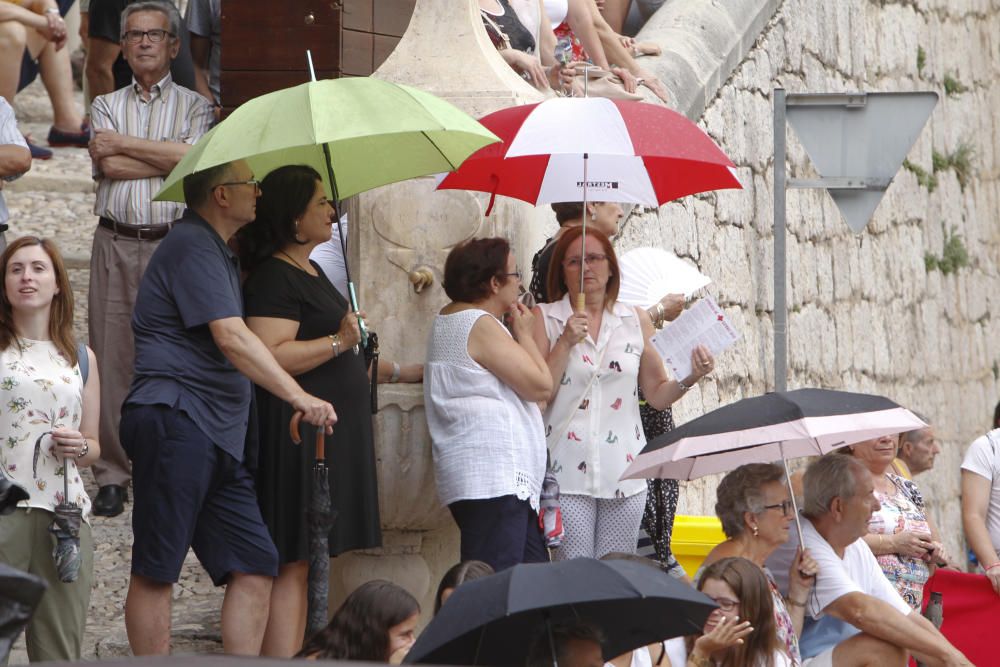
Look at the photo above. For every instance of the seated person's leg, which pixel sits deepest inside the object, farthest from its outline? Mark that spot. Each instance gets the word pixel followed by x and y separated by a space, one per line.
pixel 13 39
pixel 57 75
pixel 863 650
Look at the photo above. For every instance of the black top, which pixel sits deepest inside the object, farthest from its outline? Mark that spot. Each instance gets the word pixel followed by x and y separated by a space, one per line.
pixel 192 279
pixel 284 476
pixel 513 29
pixel 540 271
pixel 106 23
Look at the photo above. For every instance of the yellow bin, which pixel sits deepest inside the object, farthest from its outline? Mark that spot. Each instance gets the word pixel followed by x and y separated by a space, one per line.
pixel 693 538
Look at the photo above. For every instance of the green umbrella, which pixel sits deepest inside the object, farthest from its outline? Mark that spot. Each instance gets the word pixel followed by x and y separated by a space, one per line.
pixel 359 133
pixel 374 132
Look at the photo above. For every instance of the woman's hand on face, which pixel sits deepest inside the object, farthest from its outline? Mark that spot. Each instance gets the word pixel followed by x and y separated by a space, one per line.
pixel 522 320
pixel 350 330
pixel 67 443
pixel 802 575
pixel 911 543
pixel 727 633
pixel 576 329
pixel 702 362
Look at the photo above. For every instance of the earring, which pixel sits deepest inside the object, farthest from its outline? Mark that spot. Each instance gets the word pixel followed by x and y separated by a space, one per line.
pixel 756 531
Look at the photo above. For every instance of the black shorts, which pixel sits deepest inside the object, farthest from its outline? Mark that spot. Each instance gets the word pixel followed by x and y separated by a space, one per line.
pixel 189 492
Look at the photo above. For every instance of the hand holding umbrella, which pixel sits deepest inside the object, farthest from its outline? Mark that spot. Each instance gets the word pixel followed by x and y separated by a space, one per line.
pixel 68 516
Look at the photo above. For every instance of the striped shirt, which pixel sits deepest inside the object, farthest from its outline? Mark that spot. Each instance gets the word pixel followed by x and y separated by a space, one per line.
pixel 9 134
pixel 172 113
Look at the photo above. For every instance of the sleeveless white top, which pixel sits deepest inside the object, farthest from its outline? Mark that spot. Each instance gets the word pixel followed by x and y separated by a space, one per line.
pixel 39 391
pixel 487 441
pixel 593 434
pixel 556 11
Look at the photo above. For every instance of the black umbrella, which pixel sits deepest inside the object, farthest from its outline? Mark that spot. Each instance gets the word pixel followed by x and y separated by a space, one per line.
pixel 65 526
pixel 20 593
pixel 491 621
pixel 773 427
pixel 320 516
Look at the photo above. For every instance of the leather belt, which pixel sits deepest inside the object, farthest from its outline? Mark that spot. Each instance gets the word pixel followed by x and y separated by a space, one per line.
pixel 140 232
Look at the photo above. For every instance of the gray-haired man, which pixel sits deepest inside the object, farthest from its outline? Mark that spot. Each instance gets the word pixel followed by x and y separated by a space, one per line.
pixel 862 619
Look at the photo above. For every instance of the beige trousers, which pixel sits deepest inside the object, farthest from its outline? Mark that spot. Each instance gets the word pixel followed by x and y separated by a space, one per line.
pixel 116 267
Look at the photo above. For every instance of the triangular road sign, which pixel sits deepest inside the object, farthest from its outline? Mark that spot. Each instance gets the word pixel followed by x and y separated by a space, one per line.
pixel 863 139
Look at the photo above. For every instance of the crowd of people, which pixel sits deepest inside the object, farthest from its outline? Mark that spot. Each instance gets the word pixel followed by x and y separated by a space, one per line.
pixel 210 325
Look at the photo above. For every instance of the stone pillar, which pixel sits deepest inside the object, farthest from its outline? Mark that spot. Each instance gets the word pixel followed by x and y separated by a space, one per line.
pixel 408 229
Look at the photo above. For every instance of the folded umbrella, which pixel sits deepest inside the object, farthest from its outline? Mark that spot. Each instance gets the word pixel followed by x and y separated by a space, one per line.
pixel 20 593
pixel 491 621
pixel 65 525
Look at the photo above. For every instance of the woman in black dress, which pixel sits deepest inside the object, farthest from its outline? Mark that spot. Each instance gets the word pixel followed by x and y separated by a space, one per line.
pixel 308 326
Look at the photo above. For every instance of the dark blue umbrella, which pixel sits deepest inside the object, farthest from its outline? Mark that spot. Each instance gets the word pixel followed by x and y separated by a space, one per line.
pixel 491 621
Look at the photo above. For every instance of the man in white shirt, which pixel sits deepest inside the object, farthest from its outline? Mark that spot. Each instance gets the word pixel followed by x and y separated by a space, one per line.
pixel 862 619
pixel 981 503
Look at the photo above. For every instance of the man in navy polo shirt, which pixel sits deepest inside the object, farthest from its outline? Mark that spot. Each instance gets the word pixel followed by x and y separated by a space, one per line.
pixel 184 422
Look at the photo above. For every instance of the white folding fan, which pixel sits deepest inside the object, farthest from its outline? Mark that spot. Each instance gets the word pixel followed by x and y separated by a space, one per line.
pixel 650 273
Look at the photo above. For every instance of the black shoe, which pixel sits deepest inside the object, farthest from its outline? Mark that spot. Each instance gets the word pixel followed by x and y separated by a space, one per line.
pixel 110 500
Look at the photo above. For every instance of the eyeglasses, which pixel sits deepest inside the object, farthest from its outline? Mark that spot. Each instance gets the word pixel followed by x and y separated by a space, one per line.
pixel 726 604
pixel 254 182
pixel 591 258
pixel 155 36
pixel 516 274
pixel 785 507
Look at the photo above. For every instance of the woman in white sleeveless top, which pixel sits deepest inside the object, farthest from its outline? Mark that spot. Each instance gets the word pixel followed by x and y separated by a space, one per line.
pixel 481 382
pixel 46 404
pixel 597 358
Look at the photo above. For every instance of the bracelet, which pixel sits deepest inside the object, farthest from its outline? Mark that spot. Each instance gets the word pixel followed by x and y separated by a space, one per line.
pixel 698 660
pixel 880 541
pixel 683 386
pixel 661 315
pixel 795 603
pixel 85 450
pixel 395 373
pixel 996 564
pixel 335 344
pixel 51 10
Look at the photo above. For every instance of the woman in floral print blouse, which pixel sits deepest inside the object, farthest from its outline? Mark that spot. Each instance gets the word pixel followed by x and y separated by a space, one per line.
pixel 597 358
pixel 45 400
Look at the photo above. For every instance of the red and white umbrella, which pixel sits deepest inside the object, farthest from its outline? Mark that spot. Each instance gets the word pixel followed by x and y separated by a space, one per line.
pixel 594 149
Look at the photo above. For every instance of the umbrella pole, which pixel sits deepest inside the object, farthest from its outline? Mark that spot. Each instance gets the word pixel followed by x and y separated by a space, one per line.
pixel 580 299
pixel 791 492
pixel 552 641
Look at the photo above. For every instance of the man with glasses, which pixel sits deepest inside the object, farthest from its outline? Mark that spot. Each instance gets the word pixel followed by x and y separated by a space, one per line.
pixel 188 424
pixel 140 133
pixel 861 619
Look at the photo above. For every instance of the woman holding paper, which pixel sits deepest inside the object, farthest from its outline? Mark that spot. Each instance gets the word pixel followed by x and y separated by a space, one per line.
pixel 597 358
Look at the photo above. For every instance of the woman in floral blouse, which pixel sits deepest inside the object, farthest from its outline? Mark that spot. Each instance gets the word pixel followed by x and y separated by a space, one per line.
pixel 597 358
pixel 45 400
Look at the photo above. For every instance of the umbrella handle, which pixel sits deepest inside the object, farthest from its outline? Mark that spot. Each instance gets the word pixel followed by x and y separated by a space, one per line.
pixel 293 432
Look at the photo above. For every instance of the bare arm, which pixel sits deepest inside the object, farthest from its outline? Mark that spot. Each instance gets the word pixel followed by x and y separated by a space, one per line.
pixel 556 355
pixel 660 391
pixel 975 504
pixel 14 160
pixel 516 361
pixel 581 21
pixel 101 56
pixel 408 373
pixel 882 620
pixel 251 357
pixel 299 356
pixel 201 49
pixel 11 11
pixel 67 441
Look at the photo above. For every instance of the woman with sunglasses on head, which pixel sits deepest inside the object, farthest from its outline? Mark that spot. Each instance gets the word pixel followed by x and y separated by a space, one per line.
pixel 741 632
pixel 755 508
pixel 481 383
pixel 597 357
pixel 51 398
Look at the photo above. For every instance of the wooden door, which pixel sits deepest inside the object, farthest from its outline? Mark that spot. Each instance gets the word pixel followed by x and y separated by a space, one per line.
pixel 372 29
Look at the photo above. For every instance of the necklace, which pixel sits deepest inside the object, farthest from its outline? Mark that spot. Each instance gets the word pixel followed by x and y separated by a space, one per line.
pixel 282 252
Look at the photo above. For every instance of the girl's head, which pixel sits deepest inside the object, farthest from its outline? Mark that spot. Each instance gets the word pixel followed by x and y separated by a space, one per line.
pixel 458 575
pixel 740 589
pixel 376 620
pixel 292 209
pixel 35 279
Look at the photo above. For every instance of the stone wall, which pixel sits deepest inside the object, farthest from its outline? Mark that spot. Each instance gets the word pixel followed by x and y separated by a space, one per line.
pixel 865 312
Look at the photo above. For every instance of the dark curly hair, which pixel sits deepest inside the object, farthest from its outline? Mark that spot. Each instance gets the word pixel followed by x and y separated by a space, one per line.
pixel 360 628
pixel 285 195
pixel 471 265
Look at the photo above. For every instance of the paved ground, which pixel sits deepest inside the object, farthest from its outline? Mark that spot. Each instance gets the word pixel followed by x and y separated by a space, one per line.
pixel 55 199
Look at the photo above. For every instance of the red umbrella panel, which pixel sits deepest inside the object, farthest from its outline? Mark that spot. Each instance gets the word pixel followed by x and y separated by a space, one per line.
pixel 634 152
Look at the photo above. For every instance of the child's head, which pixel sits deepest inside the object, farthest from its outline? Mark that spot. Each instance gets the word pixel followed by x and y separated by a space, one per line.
pixel 458 575
pixel 740 589
pixel 376 620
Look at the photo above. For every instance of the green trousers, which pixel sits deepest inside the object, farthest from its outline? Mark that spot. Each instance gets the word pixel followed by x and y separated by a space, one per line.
pixel 56 630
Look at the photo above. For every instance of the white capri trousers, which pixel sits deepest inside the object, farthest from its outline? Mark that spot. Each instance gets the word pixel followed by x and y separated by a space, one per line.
pixel 598 526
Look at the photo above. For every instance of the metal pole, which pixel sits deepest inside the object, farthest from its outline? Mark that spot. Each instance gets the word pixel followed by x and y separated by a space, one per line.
pixel 780 298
